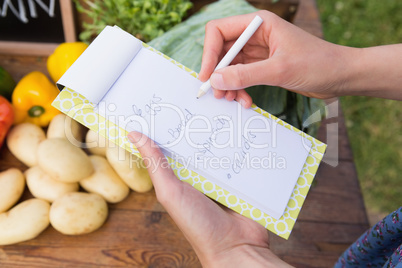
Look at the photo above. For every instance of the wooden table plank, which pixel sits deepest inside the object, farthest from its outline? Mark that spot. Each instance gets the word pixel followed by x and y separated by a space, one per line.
pixel 338 185
pixel 333 215
pixel 143 238
pixel 139 232
pixel 315 244
pixel 18 66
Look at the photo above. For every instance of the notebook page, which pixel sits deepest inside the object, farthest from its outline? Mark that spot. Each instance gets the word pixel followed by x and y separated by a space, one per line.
pixel 238 149
pixel 95 71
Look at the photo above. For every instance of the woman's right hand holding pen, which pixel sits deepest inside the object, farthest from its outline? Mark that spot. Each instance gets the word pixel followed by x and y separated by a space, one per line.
pixel 281 54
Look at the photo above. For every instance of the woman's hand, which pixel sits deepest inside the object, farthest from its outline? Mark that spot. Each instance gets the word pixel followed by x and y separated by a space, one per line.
pixel 219 236
pixel 281 54
pixel 278 54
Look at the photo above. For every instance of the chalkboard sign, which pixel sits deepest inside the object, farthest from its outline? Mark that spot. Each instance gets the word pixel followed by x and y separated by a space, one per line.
pixel 35 27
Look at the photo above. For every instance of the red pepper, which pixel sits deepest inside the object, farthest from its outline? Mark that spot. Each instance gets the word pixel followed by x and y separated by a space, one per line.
pixel 6 118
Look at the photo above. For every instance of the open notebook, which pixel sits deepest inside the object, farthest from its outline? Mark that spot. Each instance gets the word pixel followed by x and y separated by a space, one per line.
pixel 246 159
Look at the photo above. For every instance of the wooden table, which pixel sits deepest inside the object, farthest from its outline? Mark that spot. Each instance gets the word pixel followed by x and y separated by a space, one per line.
pixel 140 233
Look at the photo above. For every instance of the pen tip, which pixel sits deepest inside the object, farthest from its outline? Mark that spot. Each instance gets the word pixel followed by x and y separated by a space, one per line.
pixel 200 94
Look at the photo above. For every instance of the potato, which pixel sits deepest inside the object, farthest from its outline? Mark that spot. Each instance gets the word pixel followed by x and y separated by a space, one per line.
pixel 63 126
pixel 104 181
pixel 23 141
pixel 78 213
pixel 130 168
pixel 12 184
pixel 96 143
pixel 44 187
pixel 63 161
pixel 23 222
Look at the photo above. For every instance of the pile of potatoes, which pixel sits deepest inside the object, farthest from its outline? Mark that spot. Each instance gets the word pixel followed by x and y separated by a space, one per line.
pixel 58 168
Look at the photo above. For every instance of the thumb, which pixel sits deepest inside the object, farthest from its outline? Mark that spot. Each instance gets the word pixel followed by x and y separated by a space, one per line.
pixel 163 178
pixel 240 76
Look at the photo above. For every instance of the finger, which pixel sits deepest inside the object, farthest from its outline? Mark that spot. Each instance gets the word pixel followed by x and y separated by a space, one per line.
pixel 244 98
pixel 241 76
pixel 217 32
pixel 249 53
pixel 213 51
pixel 232 27
pixel 219 94
pixel 163 178
pixel 231 95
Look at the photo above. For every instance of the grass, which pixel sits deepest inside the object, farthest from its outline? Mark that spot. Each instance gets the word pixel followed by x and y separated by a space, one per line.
pixel 374 125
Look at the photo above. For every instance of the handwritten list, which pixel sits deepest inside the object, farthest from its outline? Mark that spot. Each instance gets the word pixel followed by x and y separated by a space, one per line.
pixel 236 148
pixel 242 151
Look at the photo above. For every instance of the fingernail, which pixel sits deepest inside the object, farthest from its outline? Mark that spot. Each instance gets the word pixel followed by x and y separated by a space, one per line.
pixel 217 81
pixel 242 102
pixel 134 137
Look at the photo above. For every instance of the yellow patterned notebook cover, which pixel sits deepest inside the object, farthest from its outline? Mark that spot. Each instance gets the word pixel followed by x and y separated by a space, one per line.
pixel 79 108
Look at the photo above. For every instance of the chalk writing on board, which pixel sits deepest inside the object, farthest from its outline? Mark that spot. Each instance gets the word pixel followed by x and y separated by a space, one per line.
pixel 21 9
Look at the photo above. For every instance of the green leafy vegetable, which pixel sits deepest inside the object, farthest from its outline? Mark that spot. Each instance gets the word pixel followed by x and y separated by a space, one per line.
pixel 145 19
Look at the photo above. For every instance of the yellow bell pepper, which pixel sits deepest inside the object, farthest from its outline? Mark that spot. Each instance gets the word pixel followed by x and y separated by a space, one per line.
pixel 63 57
pixel 32 99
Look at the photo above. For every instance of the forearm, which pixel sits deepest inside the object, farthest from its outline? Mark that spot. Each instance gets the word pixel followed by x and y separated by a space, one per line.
pixel 244 256
pixel 374 71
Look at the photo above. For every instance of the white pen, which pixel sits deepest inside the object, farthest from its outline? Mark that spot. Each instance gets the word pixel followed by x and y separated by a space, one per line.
pixel 233 51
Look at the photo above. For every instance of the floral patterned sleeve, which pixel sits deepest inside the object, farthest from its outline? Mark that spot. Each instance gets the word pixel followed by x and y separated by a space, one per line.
pixel 380 246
